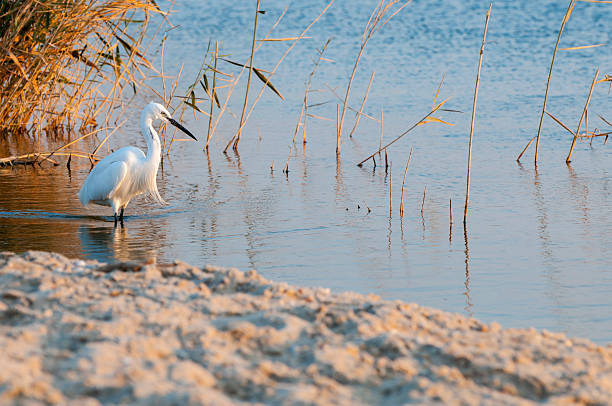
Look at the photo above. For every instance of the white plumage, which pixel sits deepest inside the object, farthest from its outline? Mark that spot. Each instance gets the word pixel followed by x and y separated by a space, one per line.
pixel 128 172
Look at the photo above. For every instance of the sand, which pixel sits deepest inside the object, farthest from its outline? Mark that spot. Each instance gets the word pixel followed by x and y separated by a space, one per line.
pixel 83 333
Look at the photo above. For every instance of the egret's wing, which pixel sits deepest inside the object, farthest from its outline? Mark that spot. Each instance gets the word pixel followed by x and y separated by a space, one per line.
pixel 103 181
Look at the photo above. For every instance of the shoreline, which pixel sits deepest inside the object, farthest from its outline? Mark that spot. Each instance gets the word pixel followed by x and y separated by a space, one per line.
pixel 82 332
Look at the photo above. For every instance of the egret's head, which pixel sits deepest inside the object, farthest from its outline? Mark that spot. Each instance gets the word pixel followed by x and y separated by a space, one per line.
pixel 156 111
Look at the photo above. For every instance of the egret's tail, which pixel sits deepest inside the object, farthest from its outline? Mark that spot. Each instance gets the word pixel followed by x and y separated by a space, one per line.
pixel 156 196
pixel 83 195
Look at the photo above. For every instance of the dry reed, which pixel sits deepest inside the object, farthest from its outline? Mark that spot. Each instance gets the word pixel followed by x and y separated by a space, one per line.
pixel 450 215
pixel 213 96
pixel 566 17
pixel 377 21
pixel 386 162
pixel 390 182
pixel 63 63
pixel 266 80
pixel 246 94
pixel 436 108
pixel 381 134
pixel 304 109
pixel 423 201
pixel 586 106
pixel 469 166
pixel 234 81
pixel 358 114
pixel 337 129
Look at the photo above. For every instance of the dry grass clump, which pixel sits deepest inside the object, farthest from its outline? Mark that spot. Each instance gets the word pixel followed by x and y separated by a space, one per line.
pixel 63 62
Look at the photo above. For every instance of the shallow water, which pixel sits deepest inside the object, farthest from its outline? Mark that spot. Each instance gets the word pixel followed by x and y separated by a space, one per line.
pixel 535 249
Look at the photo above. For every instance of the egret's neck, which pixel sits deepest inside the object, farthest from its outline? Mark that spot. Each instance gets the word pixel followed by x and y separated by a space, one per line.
pixel 153 143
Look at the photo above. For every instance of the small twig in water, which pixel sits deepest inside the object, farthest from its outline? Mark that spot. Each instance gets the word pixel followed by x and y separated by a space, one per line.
pixel 403 182
pixel 586 106
pixel 423 201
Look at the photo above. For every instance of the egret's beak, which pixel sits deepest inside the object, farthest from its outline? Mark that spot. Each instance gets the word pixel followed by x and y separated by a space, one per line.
pixel 180 127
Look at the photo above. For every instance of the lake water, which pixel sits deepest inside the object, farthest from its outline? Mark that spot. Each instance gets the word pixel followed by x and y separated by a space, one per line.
pixel 535 251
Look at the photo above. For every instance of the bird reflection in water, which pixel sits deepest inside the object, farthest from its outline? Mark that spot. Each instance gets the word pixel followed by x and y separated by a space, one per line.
pixel 112 244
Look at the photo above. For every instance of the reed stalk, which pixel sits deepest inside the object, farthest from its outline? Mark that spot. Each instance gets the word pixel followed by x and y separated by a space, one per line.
pixel 377 21
pixel 450 214
pixel 386 162
pixel 404 133
pixel 365 98
pixel 561 123
pixel 266 81
pixel 469 166
pixel 518 159
pixel 337 129
pixel 584 112
pixel 213 95
pixel 304 109
pixel 381 133
pixel 566 17
pixel 423 201
pixel 390 182
pixel 401 209
pixel 246 94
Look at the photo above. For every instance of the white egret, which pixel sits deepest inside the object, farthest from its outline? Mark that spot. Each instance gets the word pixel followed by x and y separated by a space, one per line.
pixel 128 172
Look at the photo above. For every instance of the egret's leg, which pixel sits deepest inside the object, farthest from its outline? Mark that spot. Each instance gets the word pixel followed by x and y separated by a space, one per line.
pixel 115 214
pixel 121 216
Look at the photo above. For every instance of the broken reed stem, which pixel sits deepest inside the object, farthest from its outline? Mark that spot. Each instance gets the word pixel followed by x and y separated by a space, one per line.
pixel 381 132
pixel 337 129
pixel 301 123
pixel 450 213
pixel 73 142
pixel 32 158
pixel 246 94
pixel 423 201
pixel 561 123
pixel 402 134
pixel 469 166
pixel 586 106
pixel 212 96
pixel 358 115
pixel 586 134
pixel 518 159
pixel 552 62
pixel 390 180
pixel 386 162
pixel 403 183
pixel 95 151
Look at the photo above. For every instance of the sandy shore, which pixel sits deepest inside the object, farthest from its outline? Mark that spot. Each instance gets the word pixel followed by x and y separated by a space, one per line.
pixel 85 333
